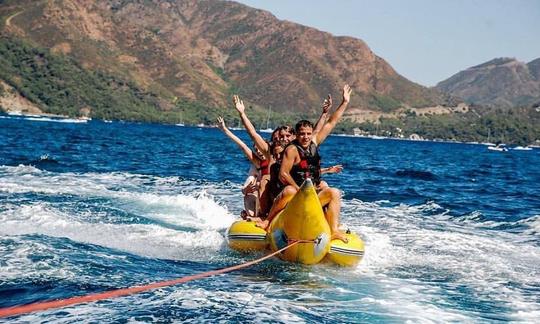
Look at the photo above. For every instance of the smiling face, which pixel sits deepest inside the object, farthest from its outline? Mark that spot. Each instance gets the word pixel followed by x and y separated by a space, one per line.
pixel 275 136
pixel 258 152
pixel 277 150
pixel 304 135
pixel 285 136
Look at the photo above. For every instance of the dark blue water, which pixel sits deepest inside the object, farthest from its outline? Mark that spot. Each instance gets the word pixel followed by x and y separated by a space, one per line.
pixel 452 231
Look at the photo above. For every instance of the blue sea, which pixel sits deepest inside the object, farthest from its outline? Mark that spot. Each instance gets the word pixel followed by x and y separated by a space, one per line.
pixel 452 231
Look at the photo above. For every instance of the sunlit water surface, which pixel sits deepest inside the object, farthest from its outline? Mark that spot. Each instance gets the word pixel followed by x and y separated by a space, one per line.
pixel 452 231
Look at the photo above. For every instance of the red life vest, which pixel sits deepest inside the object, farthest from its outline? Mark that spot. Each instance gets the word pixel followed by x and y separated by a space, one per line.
pixel 263 167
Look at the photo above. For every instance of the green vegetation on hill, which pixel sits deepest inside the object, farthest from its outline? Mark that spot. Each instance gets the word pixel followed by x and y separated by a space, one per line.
pixel 515 126
pixel 57 84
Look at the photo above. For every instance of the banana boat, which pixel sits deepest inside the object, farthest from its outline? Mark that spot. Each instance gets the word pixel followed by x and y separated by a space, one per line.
pixel 302 220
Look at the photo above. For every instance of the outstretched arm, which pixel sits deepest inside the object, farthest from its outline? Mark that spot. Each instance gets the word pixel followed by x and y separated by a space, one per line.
pixel 247 151
pixel 329 126
pixel 333 169
pixel 327 104
pixel 257 139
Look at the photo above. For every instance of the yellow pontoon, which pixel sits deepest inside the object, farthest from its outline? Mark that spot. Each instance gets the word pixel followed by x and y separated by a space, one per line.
pixel 303 219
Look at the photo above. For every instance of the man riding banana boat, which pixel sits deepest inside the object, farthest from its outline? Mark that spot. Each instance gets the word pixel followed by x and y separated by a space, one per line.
pixel 302 161
pixel 305 209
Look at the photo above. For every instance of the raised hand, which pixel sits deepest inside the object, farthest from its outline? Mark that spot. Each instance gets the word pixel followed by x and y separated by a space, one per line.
pixel 221 123
pixel 327 104
pixel 238 104
pixel 347 93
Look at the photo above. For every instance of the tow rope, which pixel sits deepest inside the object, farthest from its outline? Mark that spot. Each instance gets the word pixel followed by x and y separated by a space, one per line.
pixel 40 306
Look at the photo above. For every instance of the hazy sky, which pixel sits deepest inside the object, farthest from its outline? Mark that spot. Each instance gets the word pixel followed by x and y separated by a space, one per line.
pixel 426 41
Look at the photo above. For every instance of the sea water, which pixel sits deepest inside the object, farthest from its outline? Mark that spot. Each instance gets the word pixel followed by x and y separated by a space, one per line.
pixel 452 231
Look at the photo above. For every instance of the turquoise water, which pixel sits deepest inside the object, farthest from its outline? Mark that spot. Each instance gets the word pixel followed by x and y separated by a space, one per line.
pixel 452 231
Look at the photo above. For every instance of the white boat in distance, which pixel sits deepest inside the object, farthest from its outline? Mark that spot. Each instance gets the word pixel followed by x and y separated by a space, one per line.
pixel 498 148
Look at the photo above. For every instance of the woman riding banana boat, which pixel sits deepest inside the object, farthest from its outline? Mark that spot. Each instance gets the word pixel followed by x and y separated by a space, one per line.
pixel 304 208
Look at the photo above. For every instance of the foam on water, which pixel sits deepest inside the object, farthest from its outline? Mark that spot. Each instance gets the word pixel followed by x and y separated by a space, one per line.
pixel 426 260
pixel 186 225
pixel 19 261
pixel 194 208
pixel 182 303
pixel 421 263
pixel 533 226
pixel 142 239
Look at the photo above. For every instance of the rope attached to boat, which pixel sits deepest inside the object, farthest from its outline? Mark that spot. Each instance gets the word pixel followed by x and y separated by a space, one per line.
pixel 41 306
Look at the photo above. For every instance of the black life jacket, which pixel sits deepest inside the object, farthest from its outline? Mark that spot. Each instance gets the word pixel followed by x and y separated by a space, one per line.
pixel 274 186
pixel 309 165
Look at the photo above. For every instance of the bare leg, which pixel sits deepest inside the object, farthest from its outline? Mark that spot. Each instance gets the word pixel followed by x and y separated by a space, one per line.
pixel 279 203
pixel 323 185
pixel 264 198
pixel 332 198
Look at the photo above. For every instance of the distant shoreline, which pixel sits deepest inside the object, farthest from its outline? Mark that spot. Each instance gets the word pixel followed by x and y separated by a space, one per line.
pixel 366 136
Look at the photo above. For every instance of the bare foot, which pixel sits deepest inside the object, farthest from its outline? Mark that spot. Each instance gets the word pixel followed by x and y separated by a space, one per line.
pixel 262 224
pixel 337 235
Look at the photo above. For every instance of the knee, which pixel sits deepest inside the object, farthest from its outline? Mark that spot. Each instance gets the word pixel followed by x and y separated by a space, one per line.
pixel 323 185
pixel 335 193
pixel 289 191
pixel 286 194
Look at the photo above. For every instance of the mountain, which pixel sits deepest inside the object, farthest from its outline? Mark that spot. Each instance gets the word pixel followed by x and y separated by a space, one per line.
pixel 169 53
pixel 502 82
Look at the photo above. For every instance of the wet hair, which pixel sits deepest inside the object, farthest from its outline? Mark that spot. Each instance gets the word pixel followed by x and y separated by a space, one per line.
pixel 303 123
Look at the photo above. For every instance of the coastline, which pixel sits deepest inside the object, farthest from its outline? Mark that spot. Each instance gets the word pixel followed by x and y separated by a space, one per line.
pixel 412 138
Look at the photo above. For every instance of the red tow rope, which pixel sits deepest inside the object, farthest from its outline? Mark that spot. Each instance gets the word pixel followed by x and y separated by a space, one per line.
pixel 40 306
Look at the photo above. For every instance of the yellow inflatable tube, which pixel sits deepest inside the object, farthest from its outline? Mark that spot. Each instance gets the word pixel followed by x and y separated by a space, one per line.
pixel 302 219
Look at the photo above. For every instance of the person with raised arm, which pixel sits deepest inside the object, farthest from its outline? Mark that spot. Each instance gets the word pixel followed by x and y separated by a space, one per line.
pixel 272 150
pixel 327 104
pixel 271 186
pixel 261 144
pixel 302 160
pixel 259 168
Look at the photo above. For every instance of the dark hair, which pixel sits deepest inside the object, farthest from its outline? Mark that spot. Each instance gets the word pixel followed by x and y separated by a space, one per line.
pixel 274 133
pixel 303 123
pixel 288 128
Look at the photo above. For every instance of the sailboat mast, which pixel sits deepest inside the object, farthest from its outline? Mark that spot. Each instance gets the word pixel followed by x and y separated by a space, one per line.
pixel 268 117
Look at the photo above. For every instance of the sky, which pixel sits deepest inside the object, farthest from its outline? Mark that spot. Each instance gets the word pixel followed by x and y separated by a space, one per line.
pixel 426 41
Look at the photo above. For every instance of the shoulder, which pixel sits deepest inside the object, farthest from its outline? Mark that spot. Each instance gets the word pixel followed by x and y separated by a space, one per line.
pixel 257 161
pixel 291 150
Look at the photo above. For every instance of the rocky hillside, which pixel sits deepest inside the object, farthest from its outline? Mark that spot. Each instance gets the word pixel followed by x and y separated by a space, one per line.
pixel 502 82
pixel 167 52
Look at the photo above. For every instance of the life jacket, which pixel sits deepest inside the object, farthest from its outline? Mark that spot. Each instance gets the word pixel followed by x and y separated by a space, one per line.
pixel 309 165
pixel 275 185
pixel 263 167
